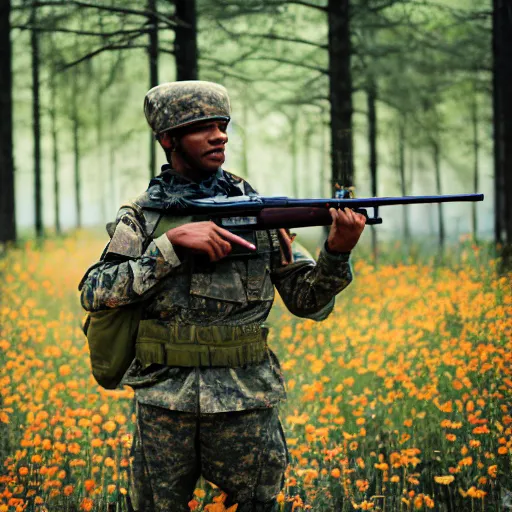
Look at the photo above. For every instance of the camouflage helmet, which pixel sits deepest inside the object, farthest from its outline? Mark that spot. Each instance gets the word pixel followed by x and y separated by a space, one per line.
pixel 176 104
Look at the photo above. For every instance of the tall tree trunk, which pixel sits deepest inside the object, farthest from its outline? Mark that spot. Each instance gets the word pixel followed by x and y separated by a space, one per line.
pixel 7 206
pixel 185 40
pixel 308 136
pixel 401 166
pixel 294 152
pixel 502 106
pixel 340 93
pixel 76 147
pixel 371 95
pixel 111 166
pixel 476 151
pixel 36 126
pixel 437 167
pixel 153 76
pixel 245 141
pixel 55 152
pixel 323 160
pixel 100 148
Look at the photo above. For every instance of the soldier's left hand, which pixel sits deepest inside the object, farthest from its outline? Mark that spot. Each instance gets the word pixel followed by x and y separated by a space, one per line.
pixel 346 228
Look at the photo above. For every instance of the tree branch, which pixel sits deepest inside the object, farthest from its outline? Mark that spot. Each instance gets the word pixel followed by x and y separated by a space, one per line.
pixel 107 47
pixel 171 21
pixel 276 3
pixel 83 32
pixel 291 63
pixel 272 36
pixel 307 4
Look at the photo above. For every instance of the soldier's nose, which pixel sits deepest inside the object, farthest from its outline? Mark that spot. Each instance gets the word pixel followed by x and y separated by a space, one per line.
pixel 220 136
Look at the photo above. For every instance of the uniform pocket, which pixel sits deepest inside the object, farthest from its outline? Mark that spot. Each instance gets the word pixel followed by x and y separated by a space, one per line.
pixel 220 281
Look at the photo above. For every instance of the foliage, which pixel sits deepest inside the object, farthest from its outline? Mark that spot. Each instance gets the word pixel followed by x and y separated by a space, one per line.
pixel 400 400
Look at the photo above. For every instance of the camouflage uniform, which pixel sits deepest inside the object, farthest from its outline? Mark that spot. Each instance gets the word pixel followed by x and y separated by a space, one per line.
pixel 186 417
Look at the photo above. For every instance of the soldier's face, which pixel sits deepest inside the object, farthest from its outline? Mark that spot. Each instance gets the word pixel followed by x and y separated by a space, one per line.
pixel 201 147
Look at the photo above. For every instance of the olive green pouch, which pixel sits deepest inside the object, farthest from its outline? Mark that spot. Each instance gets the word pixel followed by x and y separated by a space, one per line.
pixel 111 335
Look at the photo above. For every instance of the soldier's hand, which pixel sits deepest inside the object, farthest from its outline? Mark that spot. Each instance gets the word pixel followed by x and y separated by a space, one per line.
pixel 346 228
pixel 206 237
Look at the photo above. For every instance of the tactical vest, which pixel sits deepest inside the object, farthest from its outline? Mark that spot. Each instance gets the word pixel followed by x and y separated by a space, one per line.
pixel 217 345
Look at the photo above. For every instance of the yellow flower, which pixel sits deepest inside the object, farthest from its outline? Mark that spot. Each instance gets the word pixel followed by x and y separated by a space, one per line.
pixel 444 480
pixel 365 505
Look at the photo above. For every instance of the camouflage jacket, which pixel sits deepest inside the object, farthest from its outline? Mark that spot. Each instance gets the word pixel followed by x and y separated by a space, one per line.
pixel 236 291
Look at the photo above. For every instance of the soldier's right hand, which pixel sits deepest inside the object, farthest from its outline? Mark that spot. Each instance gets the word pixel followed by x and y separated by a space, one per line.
pixel 206 237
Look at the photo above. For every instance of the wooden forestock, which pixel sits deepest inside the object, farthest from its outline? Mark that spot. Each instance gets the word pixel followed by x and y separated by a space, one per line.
pixel 297 217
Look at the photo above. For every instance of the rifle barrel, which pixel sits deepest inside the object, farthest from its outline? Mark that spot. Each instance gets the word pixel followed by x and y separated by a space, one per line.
pixel 370 202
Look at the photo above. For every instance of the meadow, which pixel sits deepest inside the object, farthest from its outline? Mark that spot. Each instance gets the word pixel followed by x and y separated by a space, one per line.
pixel 399 401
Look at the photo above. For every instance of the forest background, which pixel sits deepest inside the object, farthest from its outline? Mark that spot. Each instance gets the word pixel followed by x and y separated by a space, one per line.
pixel 400 400
pixel 395 97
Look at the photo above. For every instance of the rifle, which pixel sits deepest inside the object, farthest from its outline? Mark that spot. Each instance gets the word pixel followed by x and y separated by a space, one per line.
pixel 260 212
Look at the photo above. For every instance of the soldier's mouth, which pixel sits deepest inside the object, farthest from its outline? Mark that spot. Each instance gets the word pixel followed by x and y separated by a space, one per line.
pixel 215 153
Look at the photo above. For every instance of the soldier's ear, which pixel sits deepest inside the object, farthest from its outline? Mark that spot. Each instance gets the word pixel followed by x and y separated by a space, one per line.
pixel 165 140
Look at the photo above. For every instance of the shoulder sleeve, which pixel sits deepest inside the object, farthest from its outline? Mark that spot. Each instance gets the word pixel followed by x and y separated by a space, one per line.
pixel 130 268
pixel 308 288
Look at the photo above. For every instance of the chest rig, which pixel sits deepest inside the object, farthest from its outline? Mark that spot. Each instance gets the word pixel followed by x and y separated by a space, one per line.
pixel 242 277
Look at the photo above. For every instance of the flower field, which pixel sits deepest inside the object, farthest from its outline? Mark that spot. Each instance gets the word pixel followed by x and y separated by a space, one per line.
pixel 401 400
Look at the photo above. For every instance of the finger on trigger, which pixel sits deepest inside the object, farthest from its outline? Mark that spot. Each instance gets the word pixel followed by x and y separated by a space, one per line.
pixel 235 238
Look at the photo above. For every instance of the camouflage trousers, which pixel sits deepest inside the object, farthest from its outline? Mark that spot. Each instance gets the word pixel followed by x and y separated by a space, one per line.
pixel 243 453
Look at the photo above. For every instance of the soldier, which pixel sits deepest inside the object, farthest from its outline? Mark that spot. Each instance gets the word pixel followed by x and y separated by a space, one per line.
pixel 207 386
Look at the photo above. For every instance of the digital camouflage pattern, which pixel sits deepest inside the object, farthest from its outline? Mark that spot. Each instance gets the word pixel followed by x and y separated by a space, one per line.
pixel 176 104
pixel 186 417
pixel 172 449
pixel 233 291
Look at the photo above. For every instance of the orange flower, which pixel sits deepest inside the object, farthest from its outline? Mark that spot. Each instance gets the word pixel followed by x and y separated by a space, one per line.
pixel 109 426
pixel 96 419
pixel 97 442
pixel 64 370
pixel 492 471
pixel 193 504
pixel 221 498
pixel 89 485
pixel 110 462
pixel 215 507
pixel 86 504
pixel 362 485
pixel 200 493
pixel 335 473
pixel 74 448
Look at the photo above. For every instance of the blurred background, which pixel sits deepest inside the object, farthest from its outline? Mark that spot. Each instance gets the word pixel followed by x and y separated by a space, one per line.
pixel 394 97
